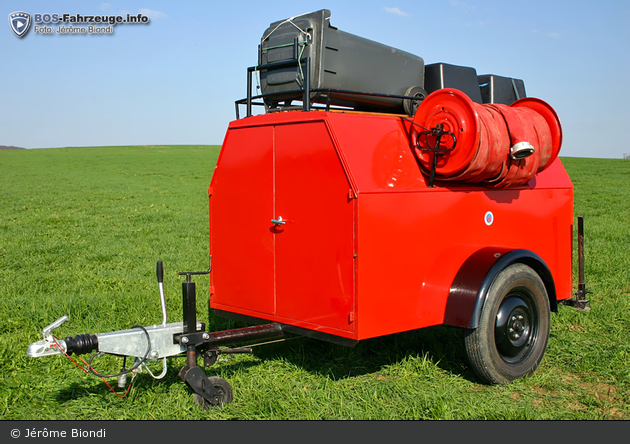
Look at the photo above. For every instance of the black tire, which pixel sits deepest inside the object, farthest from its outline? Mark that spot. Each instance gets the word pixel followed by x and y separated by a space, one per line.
pixel 513 331
pixel 225 393
pixel 410 106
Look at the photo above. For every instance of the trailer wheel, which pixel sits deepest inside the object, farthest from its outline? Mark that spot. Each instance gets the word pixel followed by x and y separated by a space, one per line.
pixel 513 330
pixel 225 393
pixel 410 106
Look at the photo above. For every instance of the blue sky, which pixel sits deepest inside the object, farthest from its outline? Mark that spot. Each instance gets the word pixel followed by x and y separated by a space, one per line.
pixel 175 80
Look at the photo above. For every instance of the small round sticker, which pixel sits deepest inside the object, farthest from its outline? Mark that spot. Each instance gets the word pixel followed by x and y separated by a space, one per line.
pixel 488 218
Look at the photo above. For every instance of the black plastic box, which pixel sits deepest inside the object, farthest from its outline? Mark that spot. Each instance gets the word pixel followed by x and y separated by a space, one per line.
pixel 443 75
pixel 498 89
pixel 340 62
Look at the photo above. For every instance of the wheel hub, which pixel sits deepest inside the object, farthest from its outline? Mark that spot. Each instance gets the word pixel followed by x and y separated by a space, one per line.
pixel 516 327
pixel 514 330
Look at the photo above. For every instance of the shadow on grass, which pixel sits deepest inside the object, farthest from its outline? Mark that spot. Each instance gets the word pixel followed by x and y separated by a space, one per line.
pixel 77 390
pixel 142 383
pixel 443 346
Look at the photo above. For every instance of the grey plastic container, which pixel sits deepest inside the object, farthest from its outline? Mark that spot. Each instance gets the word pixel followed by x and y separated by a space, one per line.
pixel 339 61
pixel 499 89
pixel 443 75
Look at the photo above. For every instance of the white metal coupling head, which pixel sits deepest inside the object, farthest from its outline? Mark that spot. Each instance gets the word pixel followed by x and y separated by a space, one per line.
pixel 521 150
pixel 48 346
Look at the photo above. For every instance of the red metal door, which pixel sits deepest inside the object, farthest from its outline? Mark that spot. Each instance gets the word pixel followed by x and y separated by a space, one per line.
pixel 240 210
pixel 314 249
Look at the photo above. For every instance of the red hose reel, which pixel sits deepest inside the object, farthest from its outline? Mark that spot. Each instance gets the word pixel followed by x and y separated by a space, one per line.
pixel 493 144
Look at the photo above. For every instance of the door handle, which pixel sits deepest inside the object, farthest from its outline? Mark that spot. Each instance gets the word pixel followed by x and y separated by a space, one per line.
pixel 280 221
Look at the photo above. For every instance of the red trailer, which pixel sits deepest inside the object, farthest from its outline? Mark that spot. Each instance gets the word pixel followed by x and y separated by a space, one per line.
pixel 344 223
pixel 324 221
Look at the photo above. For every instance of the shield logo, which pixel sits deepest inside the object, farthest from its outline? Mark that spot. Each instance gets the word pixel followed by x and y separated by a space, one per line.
pixel 20 22
pixel 489 218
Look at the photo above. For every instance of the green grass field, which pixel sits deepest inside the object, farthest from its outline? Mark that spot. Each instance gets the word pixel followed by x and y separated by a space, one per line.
pixel 82 228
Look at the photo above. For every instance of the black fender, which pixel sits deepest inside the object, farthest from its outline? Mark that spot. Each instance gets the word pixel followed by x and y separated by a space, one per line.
pixel 470 287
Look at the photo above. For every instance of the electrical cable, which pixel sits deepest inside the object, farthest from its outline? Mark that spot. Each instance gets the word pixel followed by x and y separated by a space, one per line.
pixel 86 371
pixel 67 355
pixel 135 366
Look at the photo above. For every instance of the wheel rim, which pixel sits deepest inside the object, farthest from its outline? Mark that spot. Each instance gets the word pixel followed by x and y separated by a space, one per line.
pixel 411 106
pixel 516 327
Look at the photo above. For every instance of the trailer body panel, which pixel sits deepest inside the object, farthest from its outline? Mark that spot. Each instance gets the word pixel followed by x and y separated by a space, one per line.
pixel 368 249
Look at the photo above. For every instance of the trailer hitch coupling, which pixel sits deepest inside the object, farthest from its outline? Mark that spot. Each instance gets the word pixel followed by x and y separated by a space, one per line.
pixel 48 346
pixel 158 342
